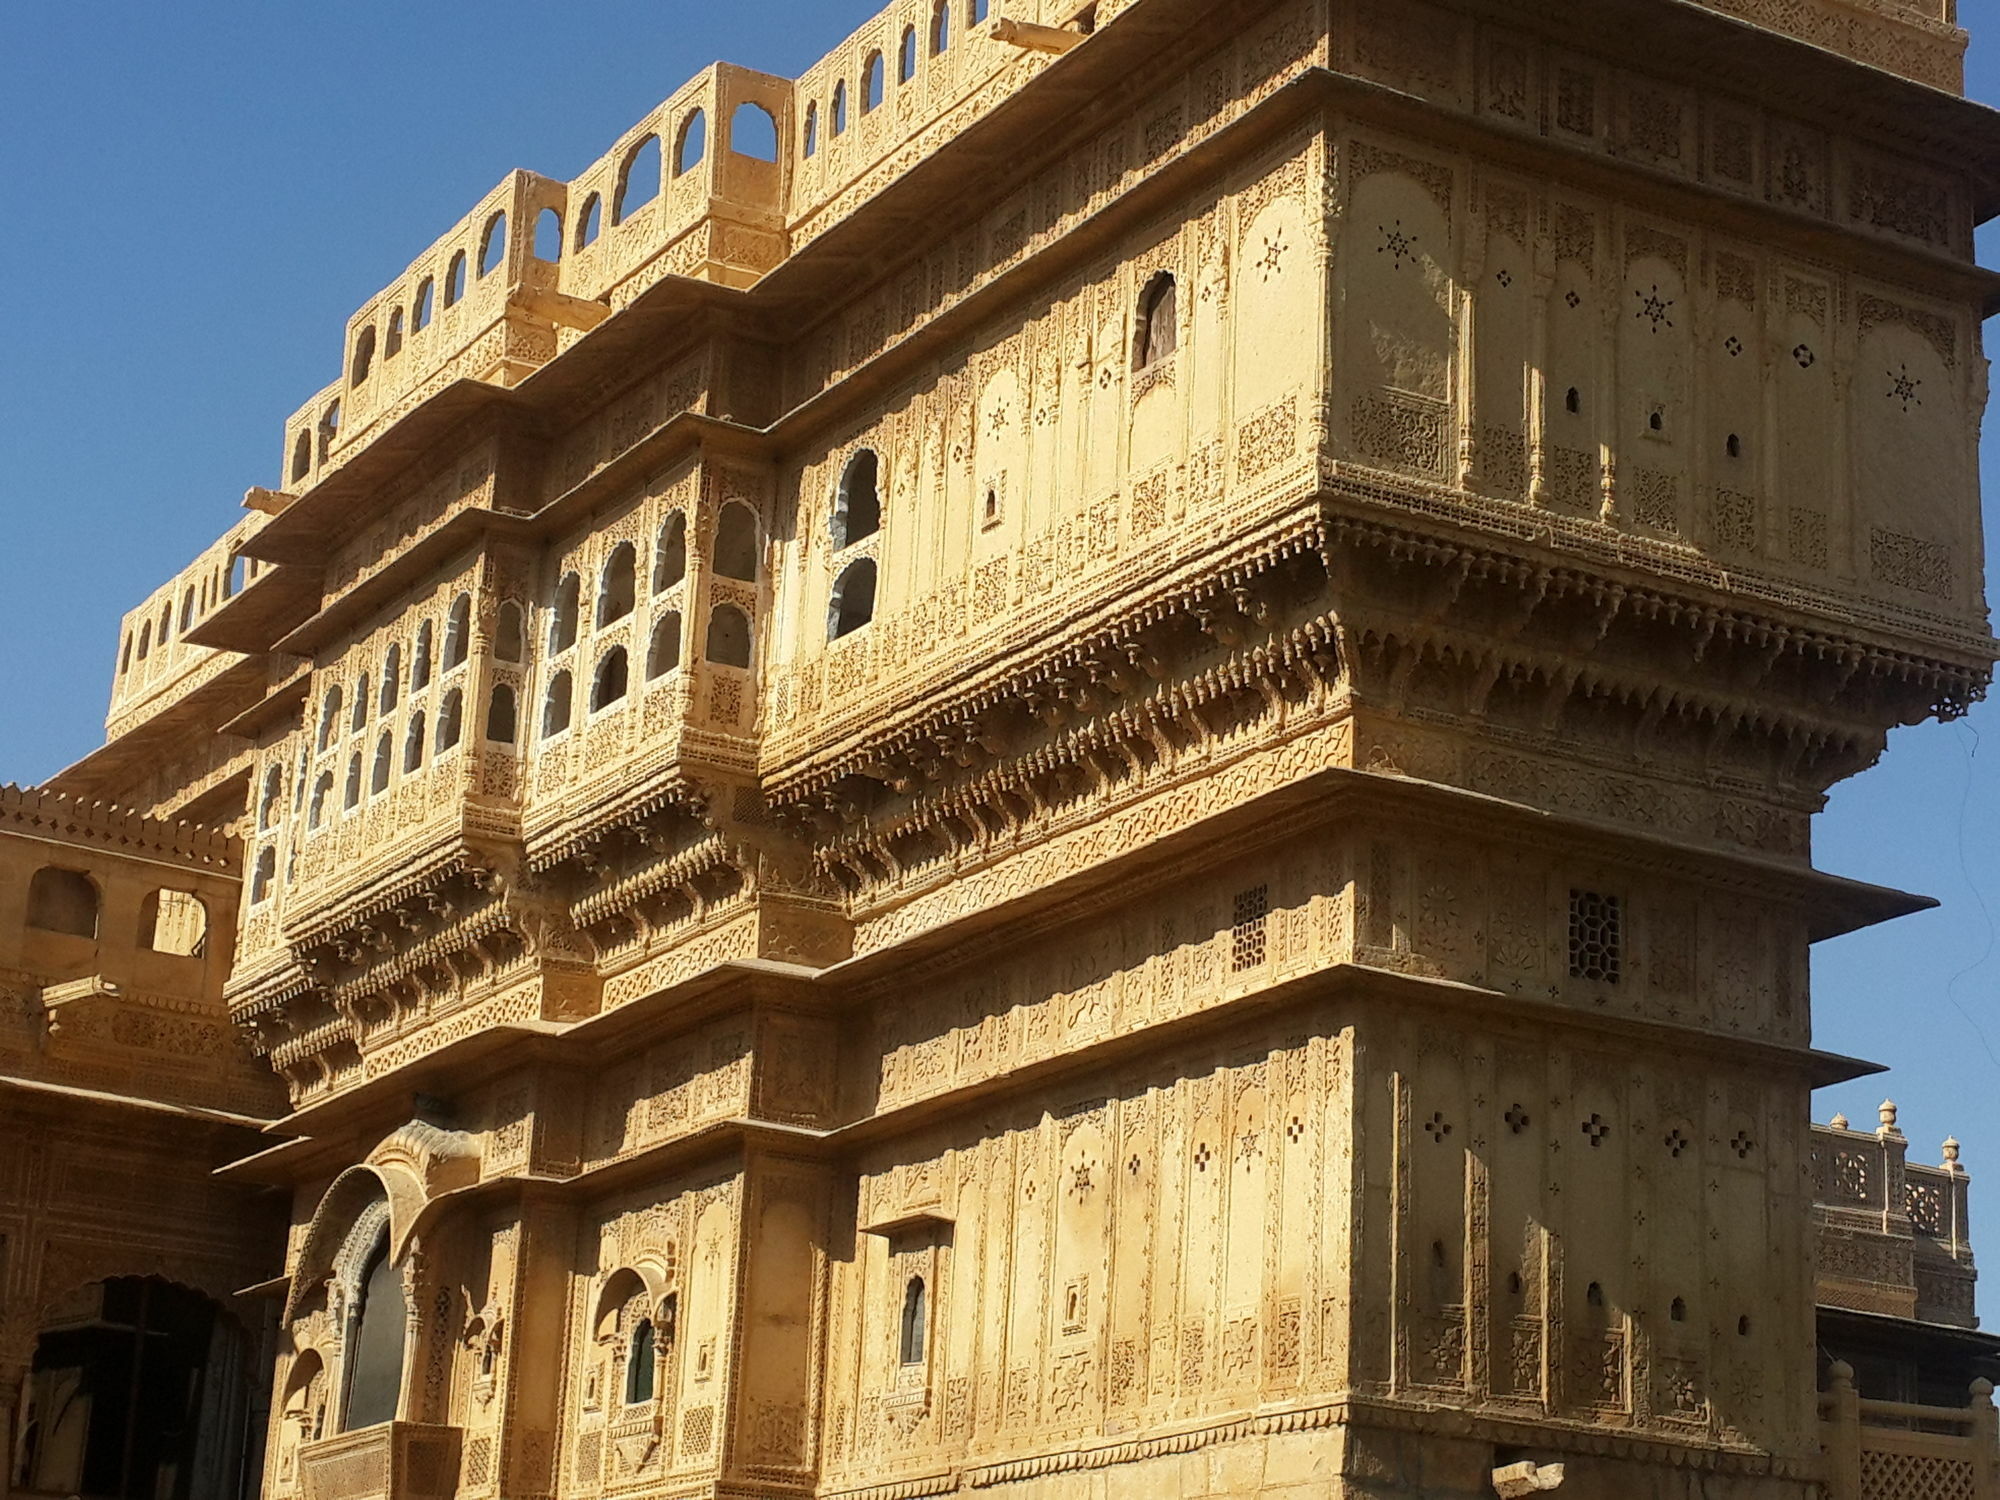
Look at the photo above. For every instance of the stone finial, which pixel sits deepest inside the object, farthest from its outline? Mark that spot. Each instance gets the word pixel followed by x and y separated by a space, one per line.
pixel 1839 1121
pixel 1888 1114
pixel 1839 1374
pixel 1982 1389
pixel 1951 1154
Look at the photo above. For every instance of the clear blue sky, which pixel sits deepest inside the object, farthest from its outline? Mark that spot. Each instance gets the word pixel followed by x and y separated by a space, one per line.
pixel 200 193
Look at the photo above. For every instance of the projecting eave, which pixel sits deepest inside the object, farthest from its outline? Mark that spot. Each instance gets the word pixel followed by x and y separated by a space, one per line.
pixel 120 761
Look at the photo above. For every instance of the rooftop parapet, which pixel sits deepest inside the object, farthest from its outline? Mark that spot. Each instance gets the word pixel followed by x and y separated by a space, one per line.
pixel 30 812
pixel 158 666
pixel 1893 1234
pixel 1915 39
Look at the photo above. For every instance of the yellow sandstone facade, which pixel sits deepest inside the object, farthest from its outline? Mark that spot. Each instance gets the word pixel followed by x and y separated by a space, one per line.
pixel 1077 761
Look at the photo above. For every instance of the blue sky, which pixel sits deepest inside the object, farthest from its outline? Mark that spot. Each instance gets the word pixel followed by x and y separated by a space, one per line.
pixel 202 192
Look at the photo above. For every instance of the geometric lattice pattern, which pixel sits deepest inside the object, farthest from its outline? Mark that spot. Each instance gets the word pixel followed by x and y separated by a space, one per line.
pixel 1246 936
pixel 1594 937
pixel 1914 1476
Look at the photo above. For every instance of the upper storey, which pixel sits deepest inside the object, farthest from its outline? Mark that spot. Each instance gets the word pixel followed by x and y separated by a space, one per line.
pixel 1917 39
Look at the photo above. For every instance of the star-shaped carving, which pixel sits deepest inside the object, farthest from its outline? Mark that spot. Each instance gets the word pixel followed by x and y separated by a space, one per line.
pixel 1399 244
pixel 1903 387
pixel 1654 308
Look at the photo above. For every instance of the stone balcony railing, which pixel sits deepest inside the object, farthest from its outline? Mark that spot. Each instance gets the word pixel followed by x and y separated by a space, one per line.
pixel 1915 39
pixel 390 1461
pixel 1897 1450
pixel 1893 1236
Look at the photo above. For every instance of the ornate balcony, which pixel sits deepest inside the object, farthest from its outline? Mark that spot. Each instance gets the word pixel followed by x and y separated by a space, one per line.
pixel 390 1461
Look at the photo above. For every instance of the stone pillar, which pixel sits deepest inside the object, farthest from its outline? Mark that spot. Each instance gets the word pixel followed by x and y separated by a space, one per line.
pixel 1985 1442
pixel 1840 1433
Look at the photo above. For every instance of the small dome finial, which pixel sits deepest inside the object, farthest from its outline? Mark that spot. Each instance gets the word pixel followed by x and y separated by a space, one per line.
pixel 1888 1114
pixel 1839 1121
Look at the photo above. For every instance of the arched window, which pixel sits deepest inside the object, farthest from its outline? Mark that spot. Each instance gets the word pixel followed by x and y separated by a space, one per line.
pixel 589 221
pixel 691 142
pixel 616 585
pixel 393 345
pixel 458 632
pixel 63 901
pixel 664 654
pixel 753 132
pixel 302 454
pixel 358 718
pixel 493 243
pixel 125 657
pixel 940 26
pixel 145 640
pixel 641 1363
pixel 322 789
pixel 351 795
pixel 375 1343
pixel 271 800
pixel 454 280
pixel 420 659
pixel 378 776
pixel 670 553
pixel 166 622
pixel 975 11
pixel 736 543
pixel 413 743
pixel 187 611
pixel 420 318
pixel 555 707
pixel 329 429
pixel 729 636
pixel 451 715
pixel 871 83
pixel 508 642
pixel 1158 331
pixel 607 685
pixel 548 236
pixel 364 356
pixel 329 716
pixel 853 601
pixel 500 714
pixel 562 623
pixel 906 56
pixel 857 505
pixel 299 779
pixel 836 120
pixel 392 679
pixel 810 138
pixel 173 922
pixel 911 1345
pixel 638 180
pixel 266 873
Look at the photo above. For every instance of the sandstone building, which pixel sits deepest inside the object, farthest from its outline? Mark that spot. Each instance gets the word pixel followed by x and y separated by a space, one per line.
pixel 1077 760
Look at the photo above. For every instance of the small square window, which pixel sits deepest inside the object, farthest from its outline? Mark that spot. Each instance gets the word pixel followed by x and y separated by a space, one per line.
pixel 1247 936
pixel 1595 936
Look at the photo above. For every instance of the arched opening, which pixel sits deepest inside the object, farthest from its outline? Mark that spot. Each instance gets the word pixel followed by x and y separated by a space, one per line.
pixel 670 553
pixel 857 505
pixel 458 632
pixel 589 221
pixel 358 717
pixel 911 1344
pixel 500 714
pixel 146 632
pixel 548 236
pixel 753 132
pixel 608 683
pixel 420 319
pixel 364 356
pixel 271 800
pixel 852 604
pixel 329 716
pixel 174 923
pixel 736 543
pixel 1158 331
pixel 508 637
pixel 729 636
pixel 393 345
pixel 454 280
pixel 837 113
pixel 329 429
pixel 378 776
pixel 125 657
pixel 871 83
pixel 691 143
pixel 563 620
pixel 638 180
pixel 375 1341
pixel 940 26
pixel 266 873
pixel 641 1365
pixel 616 586
pixel 556 706
pixel 392 679
pixel 420 659
pixel 351 795
pixel 63 901
pixel 493 244
pixel 451 713
pixel 663 654
pixel 809 140
pixel 975 11
pixel 413 743
pixel 906 56
pixel 302 1412
pixel 138 1387
pixel 316 813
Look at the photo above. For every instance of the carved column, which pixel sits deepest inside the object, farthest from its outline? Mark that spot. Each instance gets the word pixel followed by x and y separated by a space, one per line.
pixel 1608 283
pixel 1472 266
